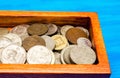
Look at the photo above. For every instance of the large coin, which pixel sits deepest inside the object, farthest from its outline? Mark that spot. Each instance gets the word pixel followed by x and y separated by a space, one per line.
pixel 3 31
pixel 39 55
pixel 32 41
pixel 37 29
pixel 13 54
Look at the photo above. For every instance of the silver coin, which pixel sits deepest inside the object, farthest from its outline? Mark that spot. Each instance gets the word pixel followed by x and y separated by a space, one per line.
pixel 65 28
pixel 50 43
pixel 82 55
pixel 84 29
pixel 57 58
pixel 20 30
pixel 84 42
pixel 14 38
pixel 53 57
pixel 39 55
pixel 13 54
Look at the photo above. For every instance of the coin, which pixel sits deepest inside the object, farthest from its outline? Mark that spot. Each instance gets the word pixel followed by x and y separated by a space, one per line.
pixel 3 31
pixel 14 38
pixel 84 42
pixel 50 43
pixel 82 55
pixel 32 41
pixel 20 30
pixel 52 28
pixel 13 54
pixel 39 55
pixel 61 42
pixel 74 33
pixel 57 58
pixel 65 28
pixel 37 29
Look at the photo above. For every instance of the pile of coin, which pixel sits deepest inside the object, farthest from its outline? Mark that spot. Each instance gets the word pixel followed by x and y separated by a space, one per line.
pixel 46 44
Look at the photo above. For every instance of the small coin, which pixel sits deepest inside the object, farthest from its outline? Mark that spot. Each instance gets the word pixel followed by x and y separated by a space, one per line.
pixel 57 58
pixel 50 43
pixel 82 55
pixel 52 29
pixel 32 41
pixel 37 29
pixel 39 55
pixel 13 54
pixel 65 54
pixel 14 38
pixel 84 42
pixel 84 29
pixel 74 33
pixel 20 30
pixel 61 42
pixel 65 28
pixel 3 31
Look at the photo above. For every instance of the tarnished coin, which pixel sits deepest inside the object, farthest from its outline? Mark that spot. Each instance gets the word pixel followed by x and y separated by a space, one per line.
pixel 3 31
pixel 32 41
pixel 65 28
pixel 14 38
pixel 74 33
pixel 82 55
pixel 84 29
pixel 13 54
pixel 39 55
pixel 84 42
pixel 37 29
pixel 50 43
pixel 57 58
pixel 20 30
pixel 61 42
pixel 65 54
pixel 52 29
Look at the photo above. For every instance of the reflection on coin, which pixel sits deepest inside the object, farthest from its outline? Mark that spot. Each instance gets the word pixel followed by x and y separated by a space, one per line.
pixel 57 58
pixel 61 42
pixel 82 55
pixel 32 41
pixel 65 54
pixel 74 33
pixel 39 55
pixel 3 31
pixel 13 54
pixel 14 38
pixel 50 43
pixel 52 28
pixel 84 29
pixel 84 42
pixel 65 28
pixel 20 30
pixel 37 29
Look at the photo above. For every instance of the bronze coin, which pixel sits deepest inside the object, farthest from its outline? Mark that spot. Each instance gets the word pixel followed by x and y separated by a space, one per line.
pixel 32 41
pixel 74 33
pixel 37 29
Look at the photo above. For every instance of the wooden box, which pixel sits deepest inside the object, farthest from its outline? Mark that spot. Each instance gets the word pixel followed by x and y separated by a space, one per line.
pixel 89 20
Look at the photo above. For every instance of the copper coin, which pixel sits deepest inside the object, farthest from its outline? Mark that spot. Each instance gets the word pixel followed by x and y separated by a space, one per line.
pixel 52 29
pixel 32 41
pixel 74 33
pixel 37 29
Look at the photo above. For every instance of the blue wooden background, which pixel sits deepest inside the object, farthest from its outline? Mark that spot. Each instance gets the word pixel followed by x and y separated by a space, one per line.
pixel 109 16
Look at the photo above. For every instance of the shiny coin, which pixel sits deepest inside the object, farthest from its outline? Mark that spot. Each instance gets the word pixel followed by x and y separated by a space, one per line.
pixel 84 41
pixel 20 30
pixel 13 54
pixel 3 31
pixel 65 28
pixel 50 43
pixel 74 33
pixel 82 55
pixel 32 41
pixel 52 29
pixel 37 29
pixel 14 38
pixel 39 55
pixel 57 58
pixel 61 42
